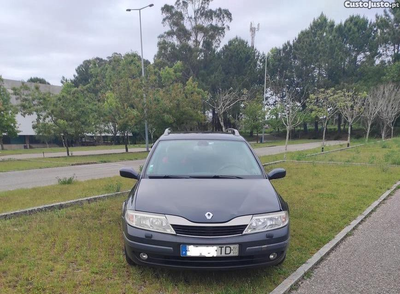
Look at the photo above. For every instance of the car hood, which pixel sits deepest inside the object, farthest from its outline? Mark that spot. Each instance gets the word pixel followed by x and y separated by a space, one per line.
pixel 193 198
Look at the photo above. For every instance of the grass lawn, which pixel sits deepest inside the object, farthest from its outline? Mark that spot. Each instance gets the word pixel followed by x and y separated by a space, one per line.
pixel 71 149
pixel 302 155
pixel 282 142
pixel 26 198
pixel 383 152
pixel 298 155
pixel 79 249
pixel 34 163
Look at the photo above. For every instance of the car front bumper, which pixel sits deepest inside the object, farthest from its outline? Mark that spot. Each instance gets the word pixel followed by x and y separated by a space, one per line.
pixel 164 249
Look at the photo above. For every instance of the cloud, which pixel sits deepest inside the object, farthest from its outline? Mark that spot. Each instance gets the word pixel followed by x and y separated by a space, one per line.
pixel 51 38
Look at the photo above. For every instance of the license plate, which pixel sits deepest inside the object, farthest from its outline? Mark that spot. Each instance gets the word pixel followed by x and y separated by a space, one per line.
pixel 209 251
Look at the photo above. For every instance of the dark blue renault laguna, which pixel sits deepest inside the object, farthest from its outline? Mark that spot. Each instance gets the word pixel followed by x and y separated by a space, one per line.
pixel 203 201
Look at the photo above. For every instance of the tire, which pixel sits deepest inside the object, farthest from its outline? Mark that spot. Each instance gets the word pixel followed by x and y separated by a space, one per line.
pixel 128 259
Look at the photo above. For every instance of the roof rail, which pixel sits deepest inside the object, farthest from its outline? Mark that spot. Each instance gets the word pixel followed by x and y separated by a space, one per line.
pixel 233 131
pixel 167 132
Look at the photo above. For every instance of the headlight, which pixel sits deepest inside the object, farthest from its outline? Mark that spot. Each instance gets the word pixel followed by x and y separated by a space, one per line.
pixel 148 221
pixel 266 222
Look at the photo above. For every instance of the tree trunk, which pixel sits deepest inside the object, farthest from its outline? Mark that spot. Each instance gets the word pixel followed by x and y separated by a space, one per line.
pixel 323 137
pixel 126 142
pixel 221 121
pixel 47 144
pixel 287 141
pixel 348 136
pixel 339 122
pixel 214 121
pixel 316 127
pixel 368 131
pixel 257 135
pixel 305 127
pixel 384 132
pixel 1 143
pixel 392 131
pixel 63 141
pixel 66 145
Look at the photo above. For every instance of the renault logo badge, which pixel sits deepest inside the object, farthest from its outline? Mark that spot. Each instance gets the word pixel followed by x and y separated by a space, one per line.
pixel 209 215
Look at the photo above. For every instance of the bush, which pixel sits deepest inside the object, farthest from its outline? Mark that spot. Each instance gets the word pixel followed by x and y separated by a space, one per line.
pixel 66 181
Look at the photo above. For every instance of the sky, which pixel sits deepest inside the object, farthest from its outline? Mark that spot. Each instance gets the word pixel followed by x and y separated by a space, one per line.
pixel 49 39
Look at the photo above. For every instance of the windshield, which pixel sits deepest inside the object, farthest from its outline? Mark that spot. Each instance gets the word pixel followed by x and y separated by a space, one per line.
pixel 203 158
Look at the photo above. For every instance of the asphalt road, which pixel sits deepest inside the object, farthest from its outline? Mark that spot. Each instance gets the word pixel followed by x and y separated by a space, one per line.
pixel 63 154
pixel 48 176
pixel 368 261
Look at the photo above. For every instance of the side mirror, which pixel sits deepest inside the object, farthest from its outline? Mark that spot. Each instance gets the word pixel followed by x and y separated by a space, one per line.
pixel 277 173
pixel 129 173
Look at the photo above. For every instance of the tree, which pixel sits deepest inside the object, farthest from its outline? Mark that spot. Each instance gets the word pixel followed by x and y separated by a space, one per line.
pixel 373 105
pixel 38 80
pixel 194 32
pixel 8 122
pixel 70 114
pixel 122 93
pixel 351 105
pixel 273 119
pixel 183 101
pixel 225 100
pixel 390 110
pixel 44 132
pixel 389 34
pixel 358 47
pixel 324 106
pixel 253 116
pixel 290 111
pixel 86 72
pixel 238 66
pixel 121 116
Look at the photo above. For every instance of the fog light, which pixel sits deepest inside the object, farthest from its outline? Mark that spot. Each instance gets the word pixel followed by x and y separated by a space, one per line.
pixel 272 256
pixel 143 256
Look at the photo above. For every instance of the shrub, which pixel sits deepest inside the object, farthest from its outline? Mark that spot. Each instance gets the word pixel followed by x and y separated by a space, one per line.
pixel 66 181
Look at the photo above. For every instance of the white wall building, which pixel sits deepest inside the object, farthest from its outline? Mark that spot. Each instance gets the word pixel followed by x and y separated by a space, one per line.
pixel 26 134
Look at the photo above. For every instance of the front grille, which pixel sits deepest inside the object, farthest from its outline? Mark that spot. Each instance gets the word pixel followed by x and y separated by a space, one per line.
pixel 203 231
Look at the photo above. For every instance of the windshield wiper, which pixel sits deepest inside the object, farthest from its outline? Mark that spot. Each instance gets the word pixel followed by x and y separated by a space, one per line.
pixel 167 177
pixel 216 177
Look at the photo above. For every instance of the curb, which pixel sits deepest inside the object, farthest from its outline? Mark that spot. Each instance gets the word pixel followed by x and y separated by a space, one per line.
pixel 273 162
pixel 58 205
pixel 342 163
pixel 290 281
pixel 334 150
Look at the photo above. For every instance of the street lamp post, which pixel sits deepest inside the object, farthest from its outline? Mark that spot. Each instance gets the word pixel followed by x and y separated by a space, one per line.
pixel 265 92
pixel 141 49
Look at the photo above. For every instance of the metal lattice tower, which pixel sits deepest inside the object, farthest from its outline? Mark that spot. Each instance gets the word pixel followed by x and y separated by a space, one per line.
pixel 253 31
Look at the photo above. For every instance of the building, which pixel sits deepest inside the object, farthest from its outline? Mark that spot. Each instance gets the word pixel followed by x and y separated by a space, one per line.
pixel 26 136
